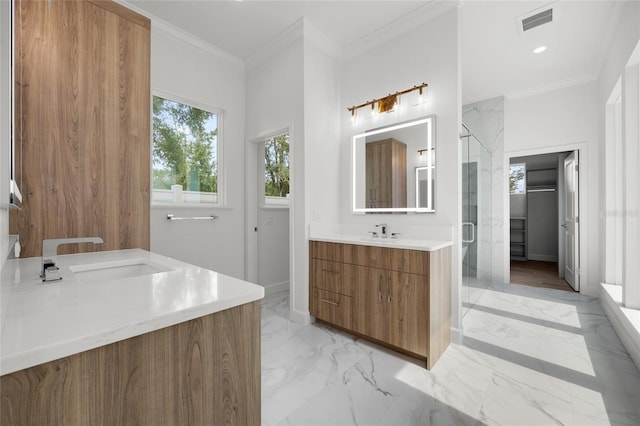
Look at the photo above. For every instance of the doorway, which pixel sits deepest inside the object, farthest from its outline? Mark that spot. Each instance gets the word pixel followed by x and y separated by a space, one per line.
pixel 543 220
pixel 268 212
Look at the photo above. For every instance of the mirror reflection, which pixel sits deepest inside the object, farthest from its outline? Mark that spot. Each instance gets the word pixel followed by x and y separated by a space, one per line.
pixel 394 168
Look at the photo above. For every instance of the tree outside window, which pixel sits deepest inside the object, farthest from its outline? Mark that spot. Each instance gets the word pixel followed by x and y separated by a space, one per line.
pixel 276 166
pixel 516 178
pixel 185 145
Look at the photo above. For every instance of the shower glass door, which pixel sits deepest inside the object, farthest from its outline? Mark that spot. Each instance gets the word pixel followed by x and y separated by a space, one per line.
pixel 476 220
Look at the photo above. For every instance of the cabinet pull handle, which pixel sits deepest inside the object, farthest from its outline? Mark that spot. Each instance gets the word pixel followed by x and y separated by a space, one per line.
pixel 330 302
pixel 388 289
pixel 329 270
pixel 380 287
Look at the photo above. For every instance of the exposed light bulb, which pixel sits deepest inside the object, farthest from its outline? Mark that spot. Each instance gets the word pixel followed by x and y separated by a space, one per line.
pixel 539 49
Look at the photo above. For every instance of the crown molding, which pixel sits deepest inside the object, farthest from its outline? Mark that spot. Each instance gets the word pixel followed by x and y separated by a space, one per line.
pixel 184 37
pixel 550 87
pixel 400 26
pixel 286 38
pixel 320 40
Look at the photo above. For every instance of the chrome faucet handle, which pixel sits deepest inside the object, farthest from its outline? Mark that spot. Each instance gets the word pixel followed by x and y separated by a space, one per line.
pixel 374 234
pixel 49 271
pixel 384 227
pixel 395 234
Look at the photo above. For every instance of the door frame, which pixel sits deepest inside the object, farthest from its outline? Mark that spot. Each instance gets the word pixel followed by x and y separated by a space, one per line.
pixel 252 203
pixel 582 148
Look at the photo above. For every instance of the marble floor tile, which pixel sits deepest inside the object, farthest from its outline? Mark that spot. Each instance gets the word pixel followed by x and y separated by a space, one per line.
pixel 529 357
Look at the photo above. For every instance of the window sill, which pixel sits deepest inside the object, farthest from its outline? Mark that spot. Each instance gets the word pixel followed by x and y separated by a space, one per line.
pixel 625 321
pixel 274 207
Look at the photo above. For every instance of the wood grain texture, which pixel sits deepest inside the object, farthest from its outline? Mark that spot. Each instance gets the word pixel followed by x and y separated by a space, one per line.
pixel 200 372
pixel 409 312
pixel 386 174
pixel 123 12
pixel 401 298
pixel 371 309
pixel 83 113
pixel 439 304
pixel 538 274
pixel 335 277
pixel 332 307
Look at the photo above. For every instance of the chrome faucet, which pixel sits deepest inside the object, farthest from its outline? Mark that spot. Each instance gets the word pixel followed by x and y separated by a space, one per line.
pixel 49 271
pixel 383 231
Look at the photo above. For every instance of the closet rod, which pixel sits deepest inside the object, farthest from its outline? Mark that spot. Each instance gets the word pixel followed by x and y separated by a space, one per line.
pixel 542 190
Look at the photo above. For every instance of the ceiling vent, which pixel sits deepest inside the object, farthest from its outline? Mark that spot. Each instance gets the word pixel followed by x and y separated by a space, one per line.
pixel 532 21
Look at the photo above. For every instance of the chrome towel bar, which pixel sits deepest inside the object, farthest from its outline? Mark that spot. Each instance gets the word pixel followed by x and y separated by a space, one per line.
pixel 210 217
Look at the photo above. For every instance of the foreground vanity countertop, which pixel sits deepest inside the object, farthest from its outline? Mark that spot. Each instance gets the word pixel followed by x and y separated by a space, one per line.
pixel 400 243
pixel 42 322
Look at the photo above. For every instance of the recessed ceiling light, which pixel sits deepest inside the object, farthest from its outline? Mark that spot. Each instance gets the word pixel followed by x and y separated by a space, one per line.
pixel 540 49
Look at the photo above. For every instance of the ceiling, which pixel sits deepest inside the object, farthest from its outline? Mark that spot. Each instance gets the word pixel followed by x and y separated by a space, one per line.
pixel 496 58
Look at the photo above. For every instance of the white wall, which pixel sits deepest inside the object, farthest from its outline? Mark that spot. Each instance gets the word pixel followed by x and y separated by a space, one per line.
pixel 562 120
pixel 427 54
pixel 624 39
pixel 323 182
pixel 274 100
pixel 190 69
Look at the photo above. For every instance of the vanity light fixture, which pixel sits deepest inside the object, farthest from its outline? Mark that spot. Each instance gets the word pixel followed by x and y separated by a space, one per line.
pixel 387 103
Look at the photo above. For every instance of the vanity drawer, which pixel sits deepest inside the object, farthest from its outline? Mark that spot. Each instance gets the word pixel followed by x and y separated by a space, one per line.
pixel 332 307
pixel 333 276
pixel 327 251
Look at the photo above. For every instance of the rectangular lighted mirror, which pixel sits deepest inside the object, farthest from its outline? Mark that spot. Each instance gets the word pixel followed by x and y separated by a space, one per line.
pixel 394 168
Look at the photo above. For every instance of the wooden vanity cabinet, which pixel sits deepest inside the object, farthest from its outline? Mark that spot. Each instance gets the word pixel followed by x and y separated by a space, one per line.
pixel 400 298
pixel 386 174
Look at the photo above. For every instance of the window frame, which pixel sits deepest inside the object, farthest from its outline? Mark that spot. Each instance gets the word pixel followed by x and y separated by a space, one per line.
pixel 165 197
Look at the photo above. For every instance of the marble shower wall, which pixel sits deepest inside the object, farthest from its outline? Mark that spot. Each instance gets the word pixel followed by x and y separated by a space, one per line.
pixel 485 119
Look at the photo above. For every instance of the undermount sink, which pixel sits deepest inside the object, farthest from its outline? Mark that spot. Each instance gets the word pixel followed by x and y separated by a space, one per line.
pixel 116 270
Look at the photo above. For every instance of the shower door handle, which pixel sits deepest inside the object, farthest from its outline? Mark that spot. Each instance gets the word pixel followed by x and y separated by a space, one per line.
pixel 473 232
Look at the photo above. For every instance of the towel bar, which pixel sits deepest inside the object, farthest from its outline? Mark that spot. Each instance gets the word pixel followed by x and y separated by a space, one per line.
pixel 210 217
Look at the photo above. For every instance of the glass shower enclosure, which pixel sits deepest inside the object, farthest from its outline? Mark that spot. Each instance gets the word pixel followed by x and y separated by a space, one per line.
pixel 476 219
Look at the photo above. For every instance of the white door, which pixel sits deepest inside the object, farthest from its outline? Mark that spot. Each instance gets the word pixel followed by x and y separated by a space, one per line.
pixel 571 225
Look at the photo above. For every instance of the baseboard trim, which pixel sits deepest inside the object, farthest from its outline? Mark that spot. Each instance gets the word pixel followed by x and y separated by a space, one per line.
pixel 275 288
pixel 456 336
pixel 628 333
pixel 542 257
pixel 299 317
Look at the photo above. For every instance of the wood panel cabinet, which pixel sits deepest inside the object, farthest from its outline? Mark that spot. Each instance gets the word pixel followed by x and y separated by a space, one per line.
pixel 204 371
pixel 386 174
pixel 83 124
pixel 397 297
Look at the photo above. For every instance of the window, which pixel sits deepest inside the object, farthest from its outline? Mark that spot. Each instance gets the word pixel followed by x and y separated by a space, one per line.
pixel 276 170
pixel 517 183
pixel 185 152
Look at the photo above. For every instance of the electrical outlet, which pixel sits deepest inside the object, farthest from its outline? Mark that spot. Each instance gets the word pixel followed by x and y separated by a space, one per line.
pixel 317 214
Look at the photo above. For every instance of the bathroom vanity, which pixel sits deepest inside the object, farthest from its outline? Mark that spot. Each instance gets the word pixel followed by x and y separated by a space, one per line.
pixel 393 292
pixel 128 337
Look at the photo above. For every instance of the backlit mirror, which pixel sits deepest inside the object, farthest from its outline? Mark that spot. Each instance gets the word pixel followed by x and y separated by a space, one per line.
pixel 394 168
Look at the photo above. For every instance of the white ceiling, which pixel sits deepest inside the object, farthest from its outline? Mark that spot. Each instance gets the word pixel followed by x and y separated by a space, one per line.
pixel 496 58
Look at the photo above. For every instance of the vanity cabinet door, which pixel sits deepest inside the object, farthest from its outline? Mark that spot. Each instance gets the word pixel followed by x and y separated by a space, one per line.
pixel 408 312
pixel 371 310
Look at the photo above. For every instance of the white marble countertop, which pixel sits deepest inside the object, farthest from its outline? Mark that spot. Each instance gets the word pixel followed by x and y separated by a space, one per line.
pixel 401 243
pixel 42 322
